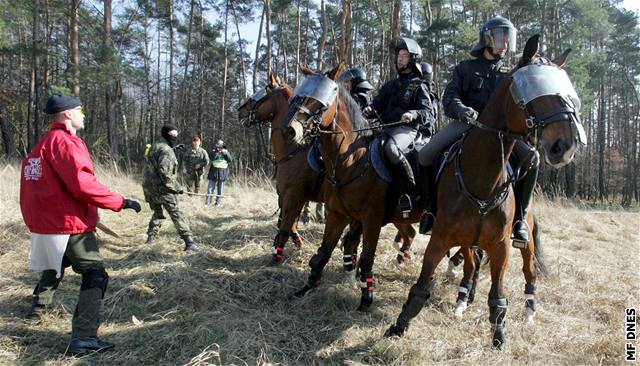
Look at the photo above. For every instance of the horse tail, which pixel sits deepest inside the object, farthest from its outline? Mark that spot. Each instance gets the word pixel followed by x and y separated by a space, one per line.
pixel 541 260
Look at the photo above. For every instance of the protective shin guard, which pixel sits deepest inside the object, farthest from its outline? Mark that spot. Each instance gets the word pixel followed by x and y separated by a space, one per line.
pixel 464 290
pixel 404 254
pixel 529 294
pixel 297 239
pixel 278 249
pixel 87 316
pixel 497 315
pixel 366 286
pixel 417 298
pixel 349 261
pixel 317 263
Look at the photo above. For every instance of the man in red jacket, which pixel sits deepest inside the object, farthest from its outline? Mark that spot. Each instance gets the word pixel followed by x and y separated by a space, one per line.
pixel 59 199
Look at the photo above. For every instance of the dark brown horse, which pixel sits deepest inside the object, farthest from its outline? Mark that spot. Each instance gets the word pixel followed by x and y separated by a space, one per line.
pixel 545 117
pixel 355 192
pixel 296 182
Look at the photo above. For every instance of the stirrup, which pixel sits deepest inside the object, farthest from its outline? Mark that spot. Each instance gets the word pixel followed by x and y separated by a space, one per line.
pixel 405 205
pixel 517 242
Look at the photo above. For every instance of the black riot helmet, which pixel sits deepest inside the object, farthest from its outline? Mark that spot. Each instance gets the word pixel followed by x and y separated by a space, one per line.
pixel 409 44
pixel 427 72
pixel 358 79
pixel 497 32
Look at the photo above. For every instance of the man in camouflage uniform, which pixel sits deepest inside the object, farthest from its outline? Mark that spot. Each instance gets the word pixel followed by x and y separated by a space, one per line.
pixel 194 162
pixel 161 188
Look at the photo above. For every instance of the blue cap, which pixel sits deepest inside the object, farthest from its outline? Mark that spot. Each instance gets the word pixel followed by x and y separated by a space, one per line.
pixel 60 103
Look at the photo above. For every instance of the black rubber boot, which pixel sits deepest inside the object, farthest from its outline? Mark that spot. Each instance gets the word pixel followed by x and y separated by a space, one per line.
pixel 189 244
pixel 80 346
pixel 523 192
pixel 428 198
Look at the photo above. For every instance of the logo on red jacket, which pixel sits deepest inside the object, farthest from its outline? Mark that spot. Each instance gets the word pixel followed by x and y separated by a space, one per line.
pixel 33 169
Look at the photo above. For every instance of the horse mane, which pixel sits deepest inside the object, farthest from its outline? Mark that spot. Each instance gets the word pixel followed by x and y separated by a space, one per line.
pixel 354 112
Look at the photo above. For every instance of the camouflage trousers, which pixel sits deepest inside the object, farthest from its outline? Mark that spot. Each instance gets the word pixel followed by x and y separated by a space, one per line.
pixel 192 181
pixel 83 256
pixel 168 202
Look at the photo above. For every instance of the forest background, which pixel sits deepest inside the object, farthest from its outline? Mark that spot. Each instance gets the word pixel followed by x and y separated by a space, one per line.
pixel 137 64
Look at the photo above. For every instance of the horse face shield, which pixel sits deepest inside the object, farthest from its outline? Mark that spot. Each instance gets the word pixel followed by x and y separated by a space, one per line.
pixel 551 106
pixel 248 111
pixel 309 102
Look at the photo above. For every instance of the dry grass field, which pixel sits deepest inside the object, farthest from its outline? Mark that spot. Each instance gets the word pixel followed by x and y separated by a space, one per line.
pixel 225 306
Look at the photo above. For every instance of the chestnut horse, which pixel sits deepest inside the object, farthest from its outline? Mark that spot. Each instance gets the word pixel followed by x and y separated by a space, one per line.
pixel 355 191
pixel 536 103
pixel 296 182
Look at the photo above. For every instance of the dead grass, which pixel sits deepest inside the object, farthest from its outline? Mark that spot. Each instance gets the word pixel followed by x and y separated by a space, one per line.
pixel 225 306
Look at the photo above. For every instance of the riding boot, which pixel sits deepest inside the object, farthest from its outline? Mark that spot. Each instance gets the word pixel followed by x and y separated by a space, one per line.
pixel 523 192
pixel 407 186
pixel 428 199
pixel 408 171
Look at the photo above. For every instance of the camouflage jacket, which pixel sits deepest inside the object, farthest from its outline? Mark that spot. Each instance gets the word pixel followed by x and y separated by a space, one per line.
pixel 160 171
pixel 193 157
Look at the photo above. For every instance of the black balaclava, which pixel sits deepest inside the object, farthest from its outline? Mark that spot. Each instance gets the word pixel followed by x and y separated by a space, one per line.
pixel 171 140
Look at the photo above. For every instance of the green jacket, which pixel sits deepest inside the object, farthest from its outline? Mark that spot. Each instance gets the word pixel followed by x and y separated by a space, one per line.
pixel 193 157
pixel 160 171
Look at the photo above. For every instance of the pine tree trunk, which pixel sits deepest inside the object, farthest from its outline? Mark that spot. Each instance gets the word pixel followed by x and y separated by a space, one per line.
pixel 323 38
pixel 267 12
pixel 112 130
pixel 75 69
pixel 257 56
pixel 224 75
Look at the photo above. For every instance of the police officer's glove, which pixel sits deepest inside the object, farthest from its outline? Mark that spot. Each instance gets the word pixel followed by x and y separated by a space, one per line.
pixel 132 204
pixel 467 115
pixel 180 147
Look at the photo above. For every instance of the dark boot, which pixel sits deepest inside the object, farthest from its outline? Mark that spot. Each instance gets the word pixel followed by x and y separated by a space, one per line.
pixel 408 171
pixel 189 244
pixel 407 186
pixel 427 193
pixel 37 311
pixel 523 192
pixel 80 346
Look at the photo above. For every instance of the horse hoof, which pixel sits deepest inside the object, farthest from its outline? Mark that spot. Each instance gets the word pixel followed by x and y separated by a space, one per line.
pixel 394 331
pixel 461 306
pixel 499 339
pixel 276 260
pixel 531 316
pixel 302 292
pixel 350 277
pixel 364 307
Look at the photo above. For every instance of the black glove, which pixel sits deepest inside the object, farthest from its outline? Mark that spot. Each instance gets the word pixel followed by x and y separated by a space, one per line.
pixel 132 204
pixel 180 147
pixel 467 115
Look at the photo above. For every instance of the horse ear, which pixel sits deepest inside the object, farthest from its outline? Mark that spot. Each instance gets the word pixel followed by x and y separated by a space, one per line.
pixel 562 59
pixel 530 50
pixel 335 73
pixel 306 70
pixel 273 79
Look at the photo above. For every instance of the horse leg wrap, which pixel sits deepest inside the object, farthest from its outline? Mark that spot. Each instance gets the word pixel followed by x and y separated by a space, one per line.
pixel 349 261
pixel 366 286
pixel 317 263
pixel 457 259
pixel 497 315
pixel 464 290
pixel 410 309
pixel 529 294
pixel 278 249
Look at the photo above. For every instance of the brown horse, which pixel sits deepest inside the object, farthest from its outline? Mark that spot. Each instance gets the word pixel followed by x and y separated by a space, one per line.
pixel 546 117
pixel 296 182
pixel 355 192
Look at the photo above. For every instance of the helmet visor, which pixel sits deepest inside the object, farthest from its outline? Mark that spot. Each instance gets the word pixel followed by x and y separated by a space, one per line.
pixel 501 38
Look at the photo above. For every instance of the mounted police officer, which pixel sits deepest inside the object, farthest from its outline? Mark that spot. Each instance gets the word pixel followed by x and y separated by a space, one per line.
pixel 465 97
pixel 404 99
pixel 355 80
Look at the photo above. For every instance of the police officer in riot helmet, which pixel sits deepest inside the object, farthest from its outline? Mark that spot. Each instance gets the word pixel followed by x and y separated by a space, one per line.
pixel 465 97
pixel 404 103
pixel 355 80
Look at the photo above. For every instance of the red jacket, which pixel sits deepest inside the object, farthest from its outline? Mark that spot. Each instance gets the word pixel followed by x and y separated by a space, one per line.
pixel 59 193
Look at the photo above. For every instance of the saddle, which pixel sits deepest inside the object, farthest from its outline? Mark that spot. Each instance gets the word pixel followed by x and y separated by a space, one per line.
pixel 390 173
